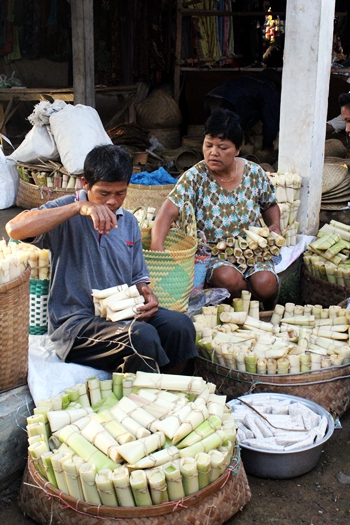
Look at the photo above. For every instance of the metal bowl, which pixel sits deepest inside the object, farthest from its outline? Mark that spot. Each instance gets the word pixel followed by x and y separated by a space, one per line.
pixel 282 464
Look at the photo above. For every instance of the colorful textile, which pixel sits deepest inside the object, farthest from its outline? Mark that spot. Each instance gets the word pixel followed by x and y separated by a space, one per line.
pixel 221 213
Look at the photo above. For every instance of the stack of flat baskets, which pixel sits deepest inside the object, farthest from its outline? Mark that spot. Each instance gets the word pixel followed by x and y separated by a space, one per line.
pixel 329 388
pixel 14 335
pixel 214 504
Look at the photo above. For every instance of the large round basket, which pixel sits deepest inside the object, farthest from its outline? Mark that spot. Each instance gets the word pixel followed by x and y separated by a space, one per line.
pixel 215 504
pixel 334 148
pixel 14 333
pixel 171 271
pixel 318 291
pixel 158 110
pixel 31 196
pixel 329 388
pixel 140 195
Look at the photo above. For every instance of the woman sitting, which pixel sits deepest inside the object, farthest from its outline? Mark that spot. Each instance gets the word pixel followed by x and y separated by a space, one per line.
pixel 228 194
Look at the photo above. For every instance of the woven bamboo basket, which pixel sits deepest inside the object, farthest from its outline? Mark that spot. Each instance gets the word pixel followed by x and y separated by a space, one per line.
pixel 171 271
pixel 14 320
pixel 139 195
pixel 186 158
pixel 318 291
pixel 330 388
pixel 31 196
pixel 158 110
pixel 215 504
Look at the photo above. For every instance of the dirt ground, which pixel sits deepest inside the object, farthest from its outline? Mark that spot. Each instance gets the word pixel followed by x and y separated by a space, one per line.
pixel 320 497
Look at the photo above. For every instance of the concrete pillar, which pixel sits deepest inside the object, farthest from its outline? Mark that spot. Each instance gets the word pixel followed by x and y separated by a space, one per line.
pixel 305 86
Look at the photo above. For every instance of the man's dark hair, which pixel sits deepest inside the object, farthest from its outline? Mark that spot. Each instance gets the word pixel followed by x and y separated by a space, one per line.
pixel 344 100
pixel 108 163
pixel 224 124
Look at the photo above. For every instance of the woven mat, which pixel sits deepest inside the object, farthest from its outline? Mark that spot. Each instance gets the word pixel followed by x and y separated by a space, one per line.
pixel 213 505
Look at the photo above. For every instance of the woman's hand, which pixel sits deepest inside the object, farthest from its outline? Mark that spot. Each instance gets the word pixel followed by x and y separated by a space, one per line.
pixel 150 307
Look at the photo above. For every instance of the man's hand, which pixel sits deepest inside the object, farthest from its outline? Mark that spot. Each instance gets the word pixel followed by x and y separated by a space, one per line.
pixel 150 307
pixel 102 217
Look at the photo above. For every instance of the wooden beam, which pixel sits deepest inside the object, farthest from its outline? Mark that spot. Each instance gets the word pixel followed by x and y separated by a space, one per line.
pixel 83 52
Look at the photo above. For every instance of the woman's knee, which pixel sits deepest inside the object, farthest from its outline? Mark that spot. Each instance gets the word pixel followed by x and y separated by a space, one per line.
pixel 229 278
pixel 263 285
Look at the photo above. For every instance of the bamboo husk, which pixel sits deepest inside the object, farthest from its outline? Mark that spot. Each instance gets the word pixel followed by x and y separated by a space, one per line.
pixel 170 382
pixel 96 434
pixel 138 484
pixel 193 420
pixel 105 488
pixel 217 460
pixel 60 418
pixel 121 483
pixel 161 457
pixel 189 472
pixel 71 470
pixel 87 451
pixel 174 482
pixel 171 424
pixel 137 413
pixel 87 473
pixel 158 486
pixel 129 423
pixel 113 427
pixel 213 441
pixel 136 450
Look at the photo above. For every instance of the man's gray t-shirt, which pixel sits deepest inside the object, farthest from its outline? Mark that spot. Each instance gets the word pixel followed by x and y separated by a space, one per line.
pixel 82 259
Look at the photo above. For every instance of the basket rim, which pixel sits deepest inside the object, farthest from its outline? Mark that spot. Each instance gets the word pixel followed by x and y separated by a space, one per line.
pixel 5 287
pixel 105 511
pixel 150 186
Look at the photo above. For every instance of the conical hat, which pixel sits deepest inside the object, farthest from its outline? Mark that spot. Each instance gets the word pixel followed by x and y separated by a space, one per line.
pixel 335 148
pixel 343 184
pixel 342 189
pixel 333 174
pixel 335 207
pixel 337 160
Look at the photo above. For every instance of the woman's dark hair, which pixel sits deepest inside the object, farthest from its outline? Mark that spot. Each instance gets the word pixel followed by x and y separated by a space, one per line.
pixel 344 100
pixel 108 163
pixel 224 124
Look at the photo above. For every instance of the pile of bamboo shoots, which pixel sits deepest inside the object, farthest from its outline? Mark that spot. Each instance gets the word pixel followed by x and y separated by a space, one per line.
pixel 14 257
pixel 49 174
pixel 133 440
pixel 288 187
pixel 328 257
pixel 145 216
pixel 118 302
pixel 296 339
pixel 258 245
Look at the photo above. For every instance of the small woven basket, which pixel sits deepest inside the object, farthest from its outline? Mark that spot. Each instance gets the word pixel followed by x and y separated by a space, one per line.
pixel 214 504
pixel 139 195
pixel 318 291
pixel 171 271
pixel 14 313
pixel 39 291
pixel 31 196
pixel 330 387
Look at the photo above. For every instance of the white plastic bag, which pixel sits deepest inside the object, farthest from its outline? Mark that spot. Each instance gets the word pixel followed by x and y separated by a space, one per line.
pixel 9 180
pixel 37 144
pixel 77 130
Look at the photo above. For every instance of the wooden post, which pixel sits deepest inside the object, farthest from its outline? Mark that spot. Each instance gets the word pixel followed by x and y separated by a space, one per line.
pixel 83 52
